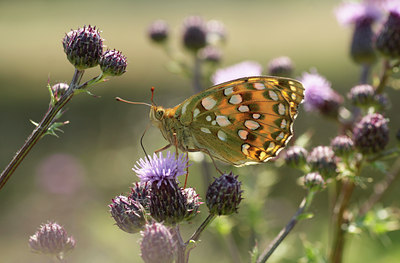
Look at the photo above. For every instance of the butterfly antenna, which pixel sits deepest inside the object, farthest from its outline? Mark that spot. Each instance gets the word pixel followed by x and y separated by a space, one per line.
pixel 141 141
pixel 152 96
pixel 132 102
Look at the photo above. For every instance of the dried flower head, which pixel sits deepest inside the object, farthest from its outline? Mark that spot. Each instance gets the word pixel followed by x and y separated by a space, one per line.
pixel 224 195
pixel 113 63
pixel 371 134
pixel 128 214
pixel 157 244
pixel 242 69
pixel 52 239
pixel 192 203
pixel 159 169
pixel 280 66
pixel 83 47
pixel 158 31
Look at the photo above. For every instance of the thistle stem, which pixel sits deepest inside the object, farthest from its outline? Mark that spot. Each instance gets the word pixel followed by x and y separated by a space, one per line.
pixel 40 129
pixel 381 188
pixel 386 71
pixel 206 222
pixel 305 203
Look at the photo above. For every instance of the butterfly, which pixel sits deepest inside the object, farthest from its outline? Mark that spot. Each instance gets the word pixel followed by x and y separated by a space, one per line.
pixel 240 122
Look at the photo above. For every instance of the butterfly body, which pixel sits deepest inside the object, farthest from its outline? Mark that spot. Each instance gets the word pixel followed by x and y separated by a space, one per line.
pixel 241 122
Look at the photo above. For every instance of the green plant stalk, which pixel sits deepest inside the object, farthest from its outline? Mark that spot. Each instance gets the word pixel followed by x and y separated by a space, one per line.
pixel 305 203
pixel 41 129
pixel 206 222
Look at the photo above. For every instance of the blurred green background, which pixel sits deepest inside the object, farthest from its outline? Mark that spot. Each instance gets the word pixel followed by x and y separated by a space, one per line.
pixel 72 179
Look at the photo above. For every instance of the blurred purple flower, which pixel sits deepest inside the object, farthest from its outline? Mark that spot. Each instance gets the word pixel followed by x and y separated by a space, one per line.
pixel 160 169
pixel 355 12
pixel 318 93
pixel 60 174
pixel 242 69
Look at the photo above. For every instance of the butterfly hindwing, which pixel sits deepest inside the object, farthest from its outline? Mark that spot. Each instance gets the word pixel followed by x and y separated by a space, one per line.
pixel 243 121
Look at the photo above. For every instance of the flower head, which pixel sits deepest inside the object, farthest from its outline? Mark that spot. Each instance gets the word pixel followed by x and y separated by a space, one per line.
pixel 216 32
pixel 280 66
pixel 355 12
pixel 83 47
pixel 51 238
pixel 192 203
pixel 158 31
pixel 314 181
pixel 296 156
pixel 242 69
pixel 342 145
pixel 388 38
pixel 157 244
pixel 322 159
pixel 224 195
pixel 160 169
pixel 371 134
pixel 128 214
pixel 194 33
pixel 319 96
pixel 113 63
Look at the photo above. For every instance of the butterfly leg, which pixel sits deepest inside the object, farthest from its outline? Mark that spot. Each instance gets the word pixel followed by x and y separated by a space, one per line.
pixel 187 169
pixel 163 148
pixel 212 159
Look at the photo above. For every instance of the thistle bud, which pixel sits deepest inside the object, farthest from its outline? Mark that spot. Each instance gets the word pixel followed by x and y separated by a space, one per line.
pixel 296 157
pixel 113 63
pixel 167 203
pixel 194 33
pixel 322 159
pixel 140 192
pixel 58 90
pixel 362 95
pixel 342 145
pixel 128 214
pixel 371 134
pixel 158 31
pixel 83 47
pixel 52 239
pixel 157 244
pixel 224 195
pixel 211 54
pixel 314 181
pixel 280 66
pixel 388 39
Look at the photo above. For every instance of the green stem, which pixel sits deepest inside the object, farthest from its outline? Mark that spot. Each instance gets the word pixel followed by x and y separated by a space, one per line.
pixel 386 72
pixel 206 222
pixel 304 205
pixel 40 129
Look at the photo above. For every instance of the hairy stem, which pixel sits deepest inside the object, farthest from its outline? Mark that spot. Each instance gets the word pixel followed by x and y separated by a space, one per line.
pixel 305 203
pixel 40 129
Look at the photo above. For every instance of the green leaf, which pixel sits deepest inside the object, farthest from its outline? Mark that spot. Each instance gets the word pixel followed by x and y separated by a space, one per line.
pixel 305 216
pixel 254 254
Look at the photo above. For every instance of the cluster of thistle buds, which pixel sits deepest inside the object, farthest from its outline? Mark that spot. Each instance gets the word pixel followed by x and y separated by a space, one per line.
pixel 157 203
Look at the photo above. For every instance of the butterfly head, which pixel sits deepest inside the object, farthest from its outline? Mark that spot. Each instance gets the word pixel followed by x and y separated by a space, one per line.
pixel 157 114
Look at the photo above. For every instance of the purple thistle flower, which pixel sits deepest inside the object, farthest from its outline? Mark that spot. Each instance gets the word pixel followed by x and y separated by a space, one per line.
pixel 239 70
pixel 319 95
pixel 160 169
pixel 354 12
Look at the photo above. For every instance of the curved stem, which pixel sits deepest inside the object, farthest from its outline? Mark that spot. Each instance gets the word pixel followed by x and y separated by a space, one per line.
pixel 305 203
pixel 365 69
pixel 40 129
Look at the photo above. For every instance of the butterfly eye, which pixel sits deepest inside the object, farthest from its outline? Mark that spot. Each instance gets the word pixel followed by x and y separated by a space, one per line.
pixel 159 114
